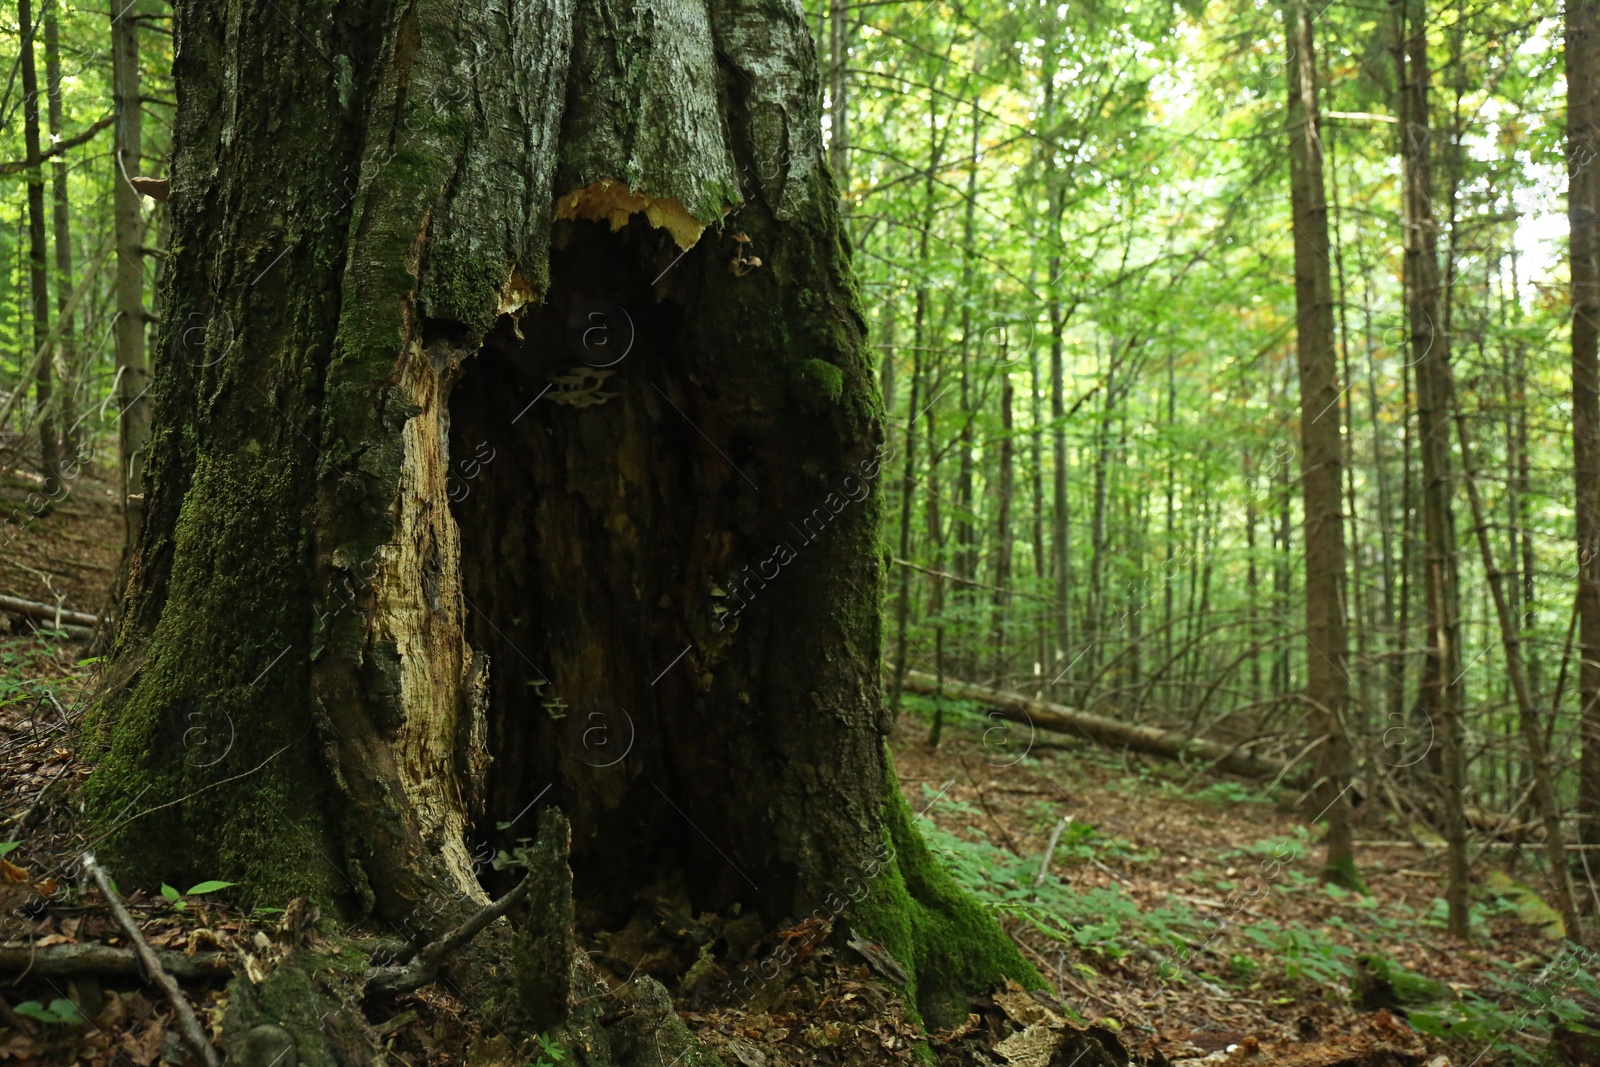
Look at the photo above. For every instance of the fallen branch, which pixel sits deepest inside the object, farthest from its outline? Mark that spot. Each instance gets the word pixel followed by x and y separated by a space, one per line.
pixel 1169 744
pixel 77 961
pixel 1050 850
pixel 32 609
pixel 188 1023
pixel 393 981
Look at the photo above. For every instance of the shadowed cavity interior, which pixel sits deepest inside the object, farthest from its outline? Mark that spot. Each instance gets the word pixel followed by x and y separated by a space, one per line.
pixel 591 530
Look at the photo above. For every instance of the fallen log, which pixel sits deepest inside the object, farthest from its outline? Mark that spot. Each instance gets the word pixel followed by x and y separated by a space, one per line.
pixel 90 958
pixel 49 612
pixel 1057 718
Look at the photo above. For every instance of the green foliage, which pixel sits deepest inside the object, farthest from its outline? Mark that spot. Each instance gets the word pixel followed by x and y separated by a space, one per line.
pixel 179 901
pixel 551 1053
pixel 1382 983
pixel 1230 792
pixel 60 1012
pixel 1438 917
pixel 1102 920
pixel 1305 955
pixel 1518 1015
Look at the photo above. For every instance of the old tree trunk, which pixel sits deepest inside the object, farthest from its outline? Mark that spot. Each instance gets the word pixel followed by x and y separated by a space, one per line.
pixel 490 473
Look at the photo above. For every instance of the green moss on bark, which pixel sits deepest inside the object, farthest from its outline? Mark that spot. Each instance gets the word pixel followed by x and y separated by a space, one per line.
pixel 825 378
pixel 206 735
pixel 949 946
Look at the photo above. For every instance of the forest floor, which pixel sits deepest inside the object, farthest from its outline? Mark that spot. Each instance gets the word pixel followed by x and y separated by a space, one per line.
pixel 1179 913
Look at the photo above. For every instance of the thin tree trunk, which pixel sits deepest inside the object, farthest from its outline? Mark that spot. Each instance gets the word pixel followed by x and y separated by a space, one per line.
pixel 1252 576
pixel 1583 207
pixel 1357 721
pixel 1041 654
pixel 1394 659
pixel 1399 714
pixel 1171 538
pixel 66 342
pixel 1002 532
pixel 1060 514
pixel 1431 348
pixel 1321 462
pixel 839 98
pixel 936 540
pixel 38 255
pixel 1282 579
pixel 133 376
pixel 908 477
pixel 1094 622
pixel 1527 713
pixel 966 555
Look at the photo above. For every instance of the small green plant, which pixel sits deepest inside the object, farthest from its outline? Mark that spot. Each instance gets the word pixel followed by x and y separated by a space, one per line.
pixel 1305 955
pixel 1285 848
pixel 61 1012
pixel 1102 920
pixel 179 900
pixel 7 847
pixel 1438 917
pixel 550 1053
pixel 1230 793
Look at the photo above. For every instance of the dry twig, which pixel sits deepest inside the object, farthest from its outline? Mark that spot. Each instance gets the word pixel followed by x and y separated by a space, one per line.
pixel 188 1022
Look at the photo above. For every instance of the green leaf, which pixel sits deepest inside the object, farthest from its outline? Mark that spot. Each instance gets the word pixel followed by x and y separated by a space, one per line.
pixel 59 1011
pixel 170 893
pixel 208 887
pixel 8 846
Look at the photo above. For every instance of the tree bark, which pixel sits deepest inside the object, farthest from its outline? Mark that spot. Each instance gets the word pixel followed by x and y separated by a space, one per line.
pixel 1002 531
pixel 1322 458
pixel 66 343
pixel 1430 351
pixel 413 566
pixel 838 97
pixel 908 475
pixel 966 553
pixel 1583 207
pixel 128 330
pixel 1060 506
pixel 38 256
